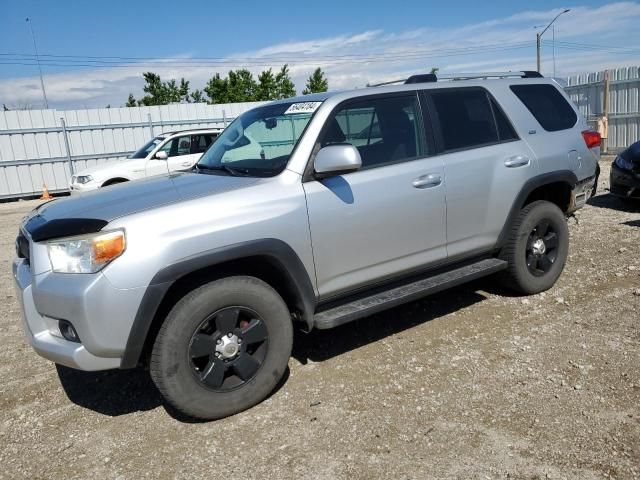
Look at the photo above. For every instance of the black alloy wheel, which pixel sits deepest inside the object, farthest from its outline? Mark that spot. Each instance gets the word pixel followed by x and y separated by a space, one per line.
pixel 228 348
pixel 542 248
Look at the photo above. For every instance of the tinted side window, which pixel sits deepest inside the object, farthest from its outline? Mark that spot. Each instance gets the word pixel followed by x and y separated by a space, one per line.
pixel 184 146
pixel 505 129
pixel 547 105
pixel 200 143
pixel 384 130
pixel 465 118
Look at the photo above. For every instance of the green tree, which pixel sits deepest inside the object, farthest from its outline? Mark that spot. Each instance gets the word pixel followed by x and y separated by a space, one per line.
pixel 5 108
pixel 198 97
pixel 242 86
pixel 434 70
pixel 217 89
pixel 316 83
pixel 154 89
pixel 162 93
pixel 267 87
pixel 131 101
pixel 284 86
pixel 184 90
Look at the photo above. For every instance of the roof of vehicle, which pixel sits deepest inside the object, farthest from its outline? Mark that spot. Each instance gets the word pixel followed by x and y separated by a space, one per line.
pixel 443 81
pixel 193 130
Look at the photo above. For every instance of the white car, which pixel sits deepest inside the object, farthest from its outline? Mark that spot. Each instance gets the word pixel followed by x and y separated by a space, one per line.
pixel 166 153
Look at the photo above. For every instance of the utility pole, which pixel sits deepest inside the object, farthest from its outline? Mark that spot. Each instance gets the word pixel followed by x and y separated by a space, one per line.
pixel 539 36
pixel 35 48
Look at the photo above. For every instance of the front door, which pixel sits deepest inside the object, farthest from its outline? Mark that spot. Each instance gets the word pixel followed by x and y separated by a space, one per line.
pixel 182 154
pixel 388 218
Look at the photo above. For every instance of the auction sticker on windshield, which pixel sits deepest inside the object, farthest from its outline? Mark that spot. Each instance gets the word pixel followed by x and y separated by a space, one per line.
pixel 302 107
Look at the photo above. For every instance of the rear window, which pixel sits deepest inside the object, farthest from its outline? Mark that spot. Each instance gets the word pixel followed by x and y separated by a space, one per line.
pixel 547 105
pixel 465 118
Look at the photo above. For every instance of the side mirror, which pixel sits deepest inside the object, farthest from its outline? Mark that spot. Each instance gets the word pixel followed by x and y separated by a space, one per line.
pixel 161 155
pixel 336 159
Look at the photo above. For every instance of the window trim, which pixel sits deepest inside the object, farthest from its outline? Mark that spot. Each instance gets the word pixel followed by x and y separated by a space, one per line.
pixel 426 140
pixel 495 105
pixel 571 107
pixel 437 127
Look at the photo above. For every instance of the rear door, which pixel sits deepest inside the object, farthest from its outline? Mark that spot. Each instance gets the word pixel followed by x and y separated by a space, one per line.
pixel 485 163
pixel 555 129
pixel 388 217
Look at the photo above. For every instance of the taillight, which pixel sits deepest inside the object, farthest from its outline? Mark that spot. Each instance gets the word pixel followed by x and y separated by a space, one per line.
pixel 591 138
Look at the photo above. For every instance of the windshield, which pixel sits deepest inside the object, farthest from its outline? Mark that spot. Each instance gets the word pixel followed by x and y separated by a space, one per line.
pixel 144 151
pixel 259 142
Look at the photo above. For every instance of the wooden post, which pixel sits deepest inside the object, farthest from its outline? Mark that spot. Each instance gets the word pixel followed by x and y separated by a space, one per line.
pixel 605 97
pixel 605 108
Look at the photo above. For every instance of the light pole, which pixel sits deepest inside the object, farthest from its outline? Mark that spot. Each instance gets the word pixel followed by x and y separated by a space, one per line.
pixel 35 48
pixel 539 36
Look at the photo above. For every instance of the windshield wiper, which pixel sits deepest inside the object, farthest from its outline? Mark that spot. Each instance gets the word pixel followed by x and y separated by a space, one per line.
pixel 236 172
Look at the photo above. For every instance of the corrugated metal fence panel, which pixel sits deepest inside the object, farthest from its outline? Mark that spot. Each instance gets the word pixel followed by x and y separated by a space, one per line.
pixel 587 91
pixel 33 150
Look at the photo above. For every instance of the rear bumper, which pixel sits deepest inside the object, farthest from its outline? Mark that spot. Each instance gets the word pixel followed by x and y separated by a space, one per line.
pixel 582 192
pixel 624 183
pixel 95 309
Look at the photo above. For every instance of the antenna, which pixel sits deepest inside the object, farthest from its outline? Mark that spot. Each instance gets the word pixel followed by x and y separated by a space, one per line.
pixel 35 48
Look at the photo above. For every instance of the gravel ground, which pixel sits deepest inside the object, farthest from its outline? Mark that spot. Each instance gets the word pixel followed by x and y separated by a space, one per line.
pixel 471 383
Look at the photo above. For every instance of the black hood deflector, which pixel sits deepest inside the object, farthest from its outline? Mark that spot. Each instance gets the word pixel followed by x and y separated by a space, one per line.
pixel 41 229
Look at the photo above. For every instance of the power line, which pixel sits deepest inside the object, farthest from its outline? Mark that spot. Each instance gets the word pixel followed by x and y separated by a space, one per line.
pixel 256 62
pixel 278 58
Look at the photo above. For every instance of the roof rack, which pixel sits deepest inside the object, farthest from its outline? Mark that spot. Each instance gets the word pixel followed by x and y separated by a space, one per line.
pixel 432 77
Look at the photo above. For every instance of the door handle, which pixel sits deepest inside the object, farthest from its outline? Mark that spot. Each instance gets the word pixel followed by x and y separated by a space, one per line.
pixel 186 164
pixel 517 161
pixel 427 181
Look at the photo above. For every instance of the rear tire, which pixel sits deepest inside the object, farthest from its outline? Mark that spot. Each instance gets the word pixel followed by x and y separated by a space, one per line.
pixel 222 348
pixel 536 249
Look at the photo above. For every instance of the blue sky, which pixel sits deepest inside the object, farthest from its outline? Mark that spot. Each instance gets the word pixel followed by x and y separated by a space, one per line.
pixel 355 42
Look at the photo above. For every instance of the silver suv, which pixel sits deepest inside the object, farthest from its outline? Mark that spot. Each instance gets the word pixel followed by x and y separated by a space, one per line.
pixel 314 211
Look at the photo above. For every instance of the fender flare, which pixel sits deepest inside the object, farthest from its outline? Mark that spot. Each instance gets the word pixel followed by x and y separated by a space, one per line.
pixel 276 250
pixel 564 176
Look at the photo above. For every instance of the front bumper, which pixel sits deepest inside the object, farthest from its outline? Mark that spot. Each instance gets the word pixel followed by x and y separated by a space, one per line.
pixel 75 188
pixel 101 314
pixel 624 183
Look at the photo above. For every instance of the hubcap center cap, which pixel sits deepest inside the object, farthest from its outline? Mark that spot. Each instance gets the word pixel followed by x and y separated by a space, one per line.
pixel 539 247
pixel 228 347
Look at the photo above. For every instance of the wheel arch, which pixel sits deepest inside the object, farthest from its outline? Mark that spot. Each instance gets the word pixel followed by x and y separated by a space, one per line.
pixel 555 187
pixel 271 260
pixel 114 180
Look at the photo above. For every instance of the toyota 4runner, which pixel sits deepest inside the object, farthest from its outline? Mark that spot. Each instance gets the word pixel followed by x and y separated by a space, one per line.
pixel 316 211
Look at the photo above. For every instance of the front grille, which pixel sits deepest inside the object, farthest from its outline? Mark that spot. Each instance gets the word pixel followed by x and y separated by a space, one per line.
pixel 22 247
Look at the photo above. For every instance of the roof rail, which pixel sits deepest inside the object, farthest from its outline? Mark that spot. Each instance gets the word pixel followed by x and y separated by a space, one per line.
pixel 432 77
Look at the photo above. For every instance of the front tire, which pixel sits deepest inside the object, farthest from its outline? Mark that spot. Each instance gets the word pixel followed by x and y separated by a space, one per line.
pixel 222 348
pixel 537 248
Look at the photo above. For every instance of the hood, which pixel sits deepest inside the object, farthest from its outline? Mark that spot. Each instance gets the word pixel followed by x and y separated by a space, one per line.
pixel 91 211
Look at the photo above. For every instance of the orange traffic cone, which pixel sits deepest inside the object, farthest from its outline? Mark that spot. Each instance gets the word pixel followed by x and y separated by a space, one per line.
pixel 45 193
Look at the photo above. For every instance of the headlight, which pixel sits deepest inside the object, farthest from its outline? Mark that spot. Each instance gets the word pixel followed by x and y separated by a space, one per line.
pixel 83 179
pixel 623 163
pixel 87 253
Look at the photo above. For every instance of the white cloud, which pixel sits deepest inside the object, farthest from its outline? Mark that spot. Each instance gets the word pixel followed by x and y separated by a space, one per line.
pixel 353 60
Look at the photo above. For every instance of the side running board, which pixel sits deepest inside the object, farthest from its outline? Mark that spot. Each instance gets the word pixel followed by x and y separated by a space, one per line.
pixel 377 302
